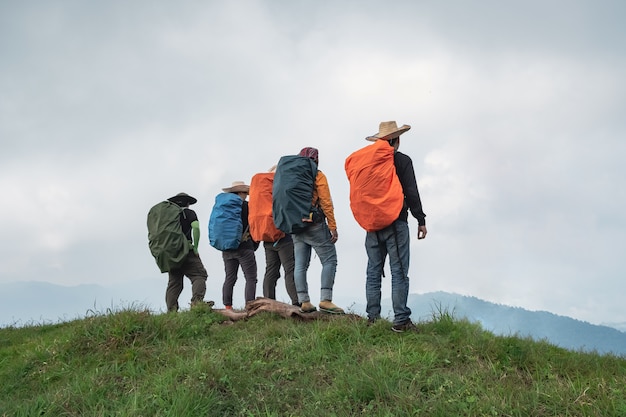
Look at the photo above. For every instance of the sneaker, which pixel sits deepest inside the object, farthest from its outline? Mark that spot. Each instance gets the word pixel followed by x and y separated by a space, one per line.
pixel 327 306
pixel 370 321
pixel 228 307
pixel 307 307
pixel 404 327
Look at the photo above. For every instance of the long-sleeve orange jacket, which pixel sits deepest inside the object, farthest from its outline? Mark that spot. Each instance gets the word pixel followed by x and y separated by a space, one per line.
pixel 321 194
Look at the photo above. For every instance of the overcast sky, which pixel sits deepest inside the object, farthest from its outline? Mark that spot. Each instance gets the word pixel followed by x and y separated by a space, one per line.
pixel 518 135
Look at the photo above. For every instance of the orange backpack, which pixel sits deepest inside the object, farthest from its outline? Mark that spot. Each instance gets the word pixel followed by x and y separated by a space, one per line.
pixel 376 196
pixel 262 228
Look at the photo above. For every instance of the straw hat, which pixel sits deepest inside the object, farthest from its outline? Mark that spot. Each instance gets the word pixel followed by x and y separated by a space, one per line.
pixel 237 187
pixel 183 198
pixel 388 130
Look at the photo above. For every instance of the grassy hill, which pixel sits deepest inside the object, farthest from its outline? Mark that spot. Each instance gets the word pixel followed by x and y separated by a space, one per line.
pixel 196 363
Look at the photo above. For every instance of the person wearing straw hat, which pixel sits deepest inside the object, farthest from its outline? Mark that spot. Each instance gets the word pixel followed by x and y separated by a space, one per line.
pixel 192 267
pixel 242 256
pixel 394 240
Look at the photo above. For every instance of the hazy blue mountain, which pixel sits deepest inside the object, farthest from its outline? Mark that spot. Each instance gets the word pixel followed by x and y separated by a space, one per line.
pixel 619 326
pixel 36 302
pixel 504 320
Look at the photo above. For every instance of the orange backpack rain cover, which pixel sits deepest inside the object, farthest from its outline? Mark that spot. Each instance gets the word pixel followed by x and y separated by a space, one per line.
pixel 262 228
pixel 376 196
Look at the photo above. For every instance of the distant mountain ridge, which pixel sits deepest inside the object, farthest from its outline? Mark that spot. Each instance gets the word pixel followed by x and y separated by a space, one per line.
pixel 505 320
pixel 24 303
pixel 34 302
pixel 38 302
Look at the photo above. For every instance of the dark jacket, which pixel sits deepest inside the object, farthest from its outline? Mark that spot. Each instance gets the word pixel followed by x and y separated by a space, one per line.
pixel 406 174
pixel 187 216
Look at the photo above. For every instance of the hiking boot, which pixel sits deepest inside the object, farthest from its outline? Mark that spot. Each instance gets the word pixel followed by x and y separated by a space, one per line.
pixel 327 306
pixel 407 326
pixel 307 307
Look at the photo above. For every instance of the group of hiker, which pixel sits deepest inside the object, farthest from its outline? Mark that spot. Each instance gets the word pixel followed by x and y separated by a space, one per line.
pixel 290 210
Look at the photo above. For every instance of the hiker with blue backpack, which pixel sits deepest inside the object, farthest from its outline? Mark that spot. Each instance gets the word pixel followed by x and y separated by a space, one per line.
pixel 229 232
pixel 382 190
pixel 173 237
pixel 303 207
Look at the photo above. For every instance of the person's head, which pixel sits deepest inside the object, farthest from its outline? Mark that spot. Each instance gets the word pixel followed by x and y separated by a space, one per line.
pixel 310 153
pixel 238 187
pixel 390 132
pixel 394 142
pixel 183 200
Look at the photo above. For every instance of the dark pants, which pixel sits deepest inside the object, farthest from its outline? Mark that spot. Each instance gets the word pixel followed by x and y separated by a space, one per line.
pixel 232 260
pixel 277 254
pixel 194 270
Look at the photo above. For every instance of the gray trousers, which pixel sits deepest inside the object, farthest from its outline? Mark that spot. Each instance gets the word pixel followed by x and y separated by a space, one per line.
pixel 277 254
pixel 195 271
pixel 232 260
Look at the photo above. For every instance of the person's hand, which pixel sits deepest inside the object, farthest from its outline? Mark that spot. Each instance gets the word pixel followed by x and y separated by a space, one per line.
pixel 421 232
pixel 333 235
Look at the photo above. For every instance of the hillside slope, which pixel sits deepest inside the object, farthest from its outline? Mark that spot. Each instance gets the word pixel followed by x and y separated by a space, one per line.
pixel 134 363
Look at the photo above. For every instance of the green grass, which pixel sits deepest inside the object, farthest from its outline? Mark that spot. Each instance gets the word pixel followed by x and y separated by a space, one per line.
pixel 135 363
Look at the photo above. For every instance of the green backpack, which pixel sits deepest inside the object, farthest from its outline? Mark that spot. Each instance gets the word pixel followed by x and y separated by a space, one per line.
pixel 168 244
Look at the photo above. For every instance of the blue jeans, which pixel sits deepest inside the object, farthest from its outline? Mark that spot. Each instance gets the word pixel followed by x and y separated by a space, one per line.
pixel 393 241
pixel 316 236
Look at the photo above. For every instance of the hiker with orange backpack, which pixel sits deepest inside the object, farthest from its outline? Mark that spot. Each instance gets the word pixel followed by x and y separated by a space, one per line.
pixel 382 210
pixel 277 244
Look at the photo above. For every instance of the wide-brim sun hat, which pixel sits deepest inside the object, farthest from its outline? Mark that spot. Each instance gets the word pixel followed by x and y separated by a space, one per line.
pixel 388 130
pixel 237 187
pixel 183 198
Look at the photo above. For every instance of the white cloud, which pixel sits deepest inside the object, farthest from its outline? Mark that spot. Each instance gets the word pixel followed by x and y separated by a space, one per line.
pixel 516 134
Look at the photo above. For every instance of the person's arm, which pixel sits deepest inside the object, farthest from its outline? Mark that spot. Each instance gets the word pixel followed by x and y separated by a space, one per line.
pixel 195 232
pixel 326 204
pixel 406 174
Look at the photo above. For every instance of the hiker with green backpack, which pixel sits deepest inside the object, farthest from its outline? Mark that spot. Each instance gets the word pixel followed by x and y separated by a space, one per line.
pixel 382 190
pixel 173 238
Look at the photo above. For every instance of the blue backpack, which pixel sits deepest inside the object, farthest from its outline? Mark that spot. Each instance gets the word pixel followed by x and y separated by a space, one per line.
pixel 292 193
pixel 225 225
